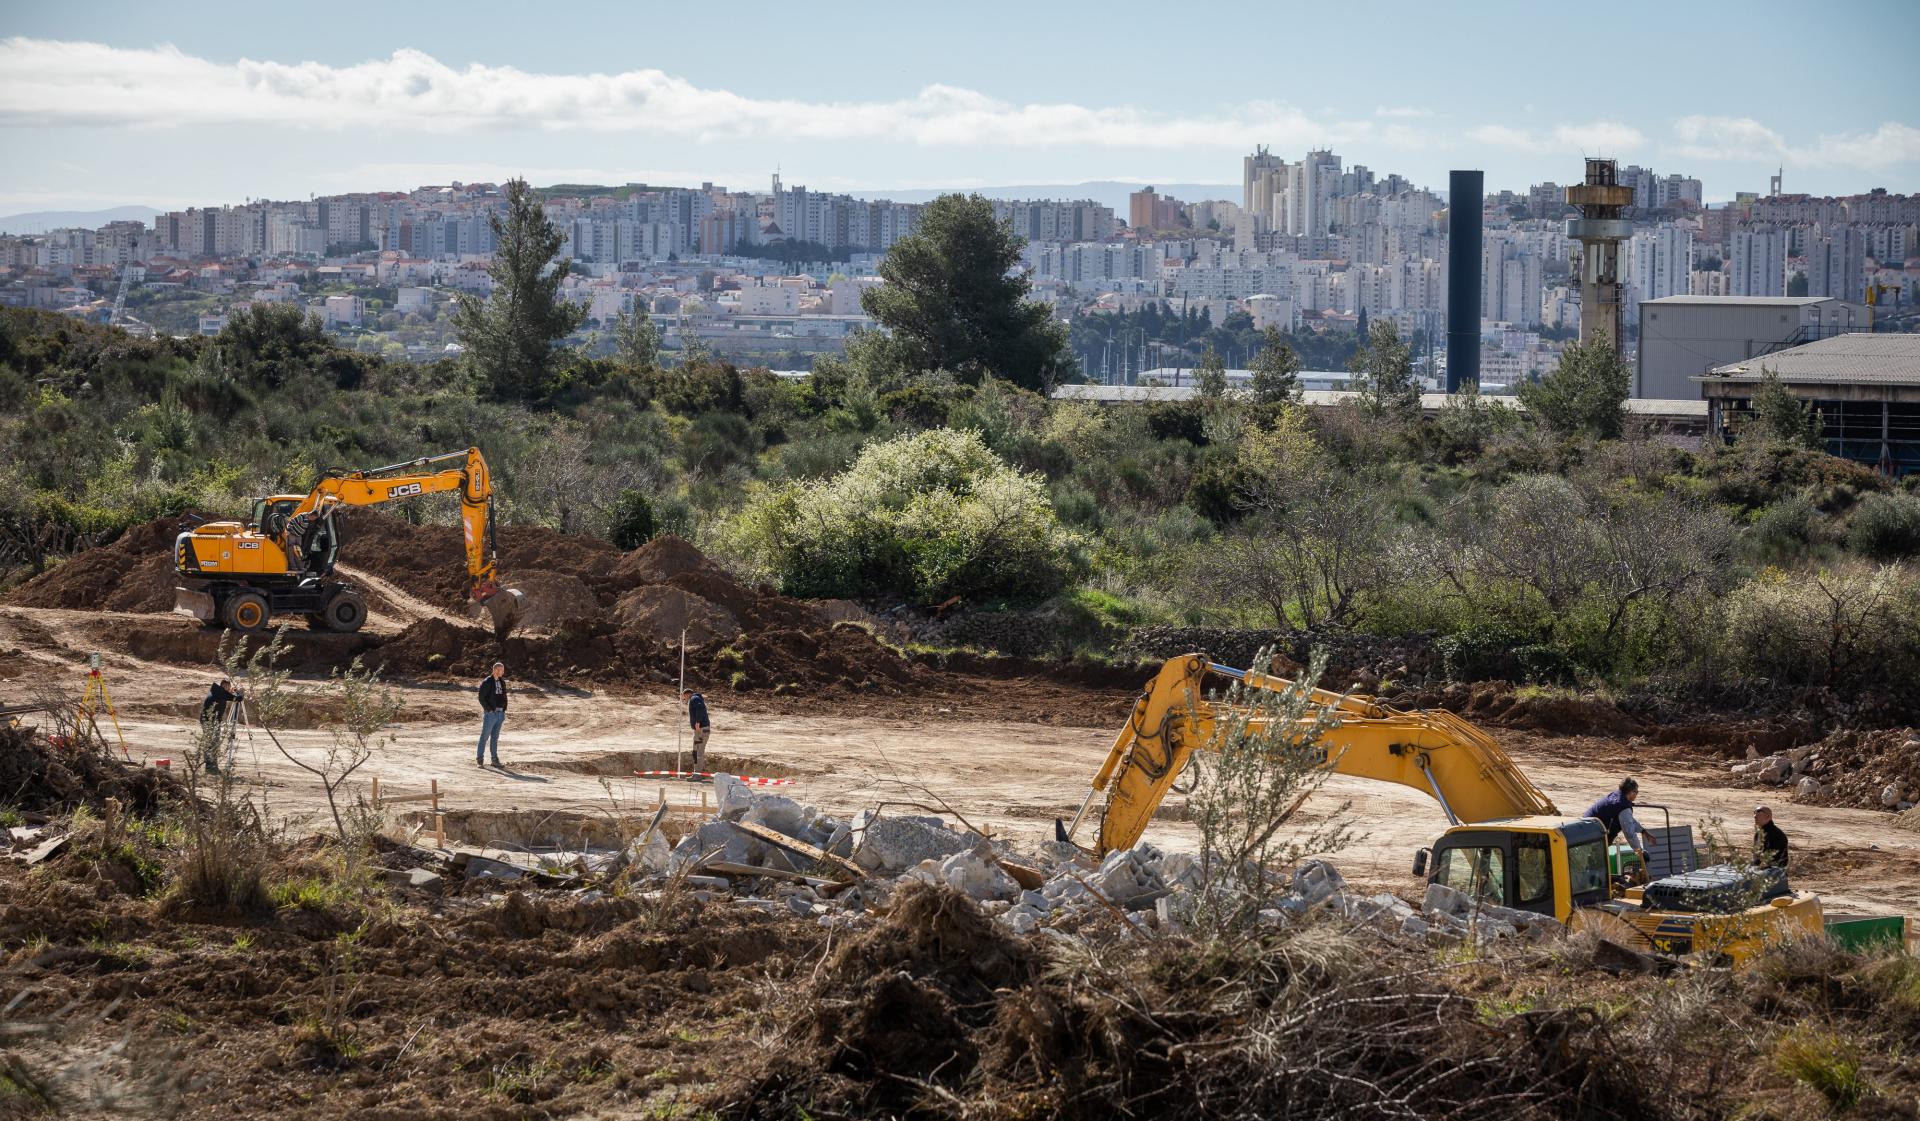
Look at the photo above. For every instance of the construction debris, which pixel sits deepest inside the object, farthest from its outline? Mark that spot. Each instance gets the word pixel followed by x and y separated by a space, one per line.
pixel 1869 770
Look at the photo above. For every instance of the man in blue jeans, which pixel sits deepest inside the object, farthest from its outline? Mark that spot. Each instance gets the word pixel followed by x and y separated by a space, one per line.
pixel 493 713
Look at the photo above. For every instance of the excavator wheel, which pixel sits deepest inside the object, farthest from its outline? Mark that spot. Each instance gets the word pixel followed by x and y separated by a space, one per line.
pixel 246 612
pixel 345 612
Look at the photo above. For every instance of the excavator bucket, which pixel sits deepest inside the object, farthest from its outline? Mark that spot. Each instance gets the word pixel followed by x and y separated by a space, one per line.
pixel 503 611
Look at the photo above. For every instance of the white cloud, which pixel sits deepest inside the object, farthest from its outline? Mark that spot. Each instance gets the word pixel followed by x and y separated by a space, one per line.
pixel 46 82
pixel 1592 138
pixel 1401 111
pixel 1743 138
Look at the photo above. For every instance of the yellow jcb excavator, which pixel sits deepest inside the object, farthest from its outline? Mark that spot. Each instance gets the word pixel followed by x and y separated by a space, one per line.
pixel 281 560
pixel 1507 845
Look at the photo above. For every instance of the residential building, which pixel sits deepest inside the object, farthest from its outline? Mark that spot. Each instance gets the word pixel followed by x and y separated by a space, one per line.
pixel 1758 262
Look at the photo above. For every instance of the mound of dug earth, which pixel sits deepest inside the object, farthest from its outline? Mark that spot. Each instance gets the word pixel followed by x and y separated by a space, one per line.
pixel 132 573
pixel 1867 770
pixel 35 775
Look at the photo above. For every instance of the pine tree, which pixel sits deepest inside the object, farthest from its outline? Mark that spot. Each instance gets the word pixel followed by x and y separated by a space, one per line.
pixel 510 336
pixel 636 341
pixel 1383 374
pixel 953 300
pixel 1211 375
pixel 1276 369
pixel 1782 418
pixel 1586 393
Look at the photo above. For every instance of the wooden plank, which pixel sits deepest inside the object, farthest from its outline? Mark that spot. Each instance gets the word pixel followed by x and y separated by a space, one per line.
pixel 1028 878
pixel 42 851
pixel 393 800
pixel 781 840
pixel 729 868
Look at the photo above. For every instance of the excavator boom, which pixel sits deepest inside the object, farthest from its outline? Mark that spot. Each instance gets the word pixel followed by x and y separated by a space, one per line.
pixel 1433 752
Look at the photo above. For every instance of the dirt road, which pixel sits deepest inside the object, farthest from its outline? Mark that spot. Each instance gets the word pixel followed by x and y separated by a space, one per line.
pixel 571 754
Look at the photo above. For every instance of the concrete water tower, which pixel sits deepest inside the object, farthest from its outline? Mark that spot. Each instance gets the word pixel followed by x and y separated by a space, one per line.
pixel 1600 229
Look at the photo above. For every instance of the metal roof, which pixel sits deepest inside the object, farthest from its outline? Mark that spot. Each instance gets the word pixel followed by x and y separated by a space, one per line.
pixel 1857 358
pixel 1740 301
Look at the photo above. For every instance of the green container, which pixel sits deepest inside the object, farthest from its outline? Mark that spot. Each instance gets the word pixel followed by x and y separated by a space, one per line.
pixel 1621 856
pixel 1867 932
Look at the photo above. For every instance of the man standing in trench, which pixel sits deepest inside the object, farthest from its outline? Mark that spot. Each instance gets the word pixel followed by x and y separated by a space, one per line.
pixel 697 717
pixel 493 713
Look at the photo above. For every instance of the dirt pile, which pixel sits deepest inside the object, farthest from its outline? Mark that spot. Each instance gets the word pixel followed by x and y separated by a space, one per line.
pixel 132 573
pixel 36 775
pixel 1866 770
pixel 429 562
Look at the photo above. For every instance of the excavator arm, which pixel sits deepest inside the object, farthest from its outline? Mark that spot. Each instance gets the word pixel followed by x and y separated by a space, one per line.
pixel 1433 752
pixel 471 479
pixel 413 479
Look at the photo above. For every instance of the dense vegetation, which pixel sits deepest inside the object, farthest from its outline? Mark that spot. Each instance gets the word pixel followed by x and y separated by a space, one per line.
pixel 1567 544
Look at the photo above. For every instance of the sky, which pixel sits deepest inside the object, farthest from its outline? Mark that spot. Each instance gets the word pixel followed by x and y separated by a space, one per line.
pixel 183 103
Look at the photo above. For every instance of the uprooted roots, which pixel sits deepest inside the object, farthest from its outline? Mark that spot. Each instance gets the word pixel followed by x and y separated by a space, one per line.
pixel 935 1010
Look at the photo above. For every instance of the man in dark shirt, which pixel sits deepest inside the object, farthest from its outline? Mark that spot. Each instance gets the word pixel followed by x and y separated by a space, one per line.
pixel 213 714
pixel 697 717
pixel 1769 840
pixel 493 713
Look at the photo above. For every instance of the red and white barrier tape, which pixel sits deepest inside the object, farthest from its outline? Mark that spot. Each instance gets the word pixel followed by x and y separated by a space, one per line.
pixel 748 779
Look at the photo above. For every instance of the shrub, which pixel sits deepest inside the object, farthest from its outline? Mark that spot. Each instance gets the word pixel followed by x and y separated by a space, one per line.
pixel 1784 531
pixel 1842 628
pixel 926 516
pixel 1886 527
pixel 633 523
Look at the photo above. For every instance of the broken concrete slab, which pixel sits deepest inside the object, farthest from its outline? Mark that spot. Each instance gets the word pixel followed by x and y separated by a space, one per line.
pixel 969 873
pixel 419 879
pixel 486 868
pixel 894 844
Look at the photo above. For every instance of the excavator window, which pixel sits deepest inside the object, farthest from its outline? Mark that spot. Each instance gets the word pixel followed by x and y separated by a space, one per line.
pixel 1532 871
pixel 1478 871
pixel 1587 867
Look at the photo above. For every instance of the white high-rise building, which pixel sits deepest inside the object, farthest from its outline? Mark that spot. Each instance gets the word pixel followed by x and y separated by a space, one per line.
pixel 1837 264
pixel 1758 259
pixel 1659 264
pixel 1262 176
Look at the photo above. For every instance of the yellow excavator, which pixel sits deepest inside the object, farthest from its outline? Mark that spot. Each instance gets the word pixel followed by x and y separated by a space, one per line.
pixel 1507 844
pixel 240 575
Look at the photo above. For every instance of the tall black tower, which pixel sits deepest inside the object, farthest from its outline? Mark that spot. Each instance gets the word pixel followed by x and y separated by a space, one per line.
pixel 1466 194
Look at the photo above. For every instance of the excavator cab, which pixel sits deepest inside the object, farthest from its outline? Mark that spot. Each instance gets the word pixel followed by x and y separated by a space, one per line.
pixel 1547 865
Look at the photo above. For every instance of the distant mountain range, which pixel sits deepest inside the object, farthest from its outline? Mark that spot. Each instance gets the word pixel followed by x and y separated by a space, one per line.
pixel 40 221
pixel 1107 192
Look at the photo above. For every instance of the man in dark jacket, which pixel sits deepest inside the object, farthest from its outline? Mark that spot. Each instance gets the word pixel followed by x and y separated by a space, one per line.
pixel 213 715
pixel 493 713
pixel 1615 811
pixel 1769 840
pixel 697 717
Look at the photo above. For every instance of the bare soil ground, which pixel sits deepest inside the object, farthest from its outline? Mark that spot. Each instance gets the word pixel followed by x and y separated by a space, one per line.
pixel 1008 754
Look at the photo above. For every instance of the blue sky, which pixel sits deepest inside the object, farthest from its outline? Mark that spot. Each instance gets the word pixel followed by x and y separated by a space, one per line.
pixel 196 103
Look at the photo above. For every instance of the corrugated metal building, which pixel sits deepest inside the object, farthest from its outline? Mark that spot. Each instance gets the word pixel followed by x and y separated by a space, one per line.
pixel 1865 386
pixel 1682 337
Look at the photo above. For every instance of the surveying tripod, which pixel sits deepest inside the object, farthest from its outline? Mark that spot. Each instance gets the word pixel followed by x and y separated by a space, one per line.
pixel 95 699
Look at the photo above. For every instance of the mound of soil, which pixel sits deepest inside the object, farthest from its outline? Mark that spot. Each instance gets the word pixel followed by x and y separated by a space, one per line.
pixel 548 598
pixel 429 562
pixel 132 573
pixel 665 612
pixel 1499 704
pixel 36 775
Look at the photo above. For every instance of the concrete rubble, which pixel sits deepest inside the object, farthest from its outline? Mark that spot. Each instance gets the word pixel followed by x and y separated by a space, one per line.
pixel 1801 768
pixel 767 851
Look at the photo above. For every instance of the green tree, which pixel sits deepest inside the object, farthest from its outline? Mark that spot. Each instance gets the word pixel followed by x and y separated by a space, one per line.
pixel 510 336
pixel 636 341
pixel 954 301
pixel 1797 285
pixel 1276 369
pixel 1779 417
pixel 1211 374
pixel 1586 393
pixel 1383 374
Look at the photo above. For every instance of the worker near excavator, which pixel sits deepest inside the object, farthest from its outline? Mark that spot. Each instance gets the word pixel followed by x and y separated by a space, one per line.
pixel 213 714
pixel 493 713
pixel 1769 840
pixel 1615 811
pixel 702 727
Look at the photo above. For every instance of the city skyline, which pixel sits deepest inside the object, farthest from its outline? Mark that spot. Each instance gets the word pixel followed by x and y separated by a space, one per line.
pixel 133 106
